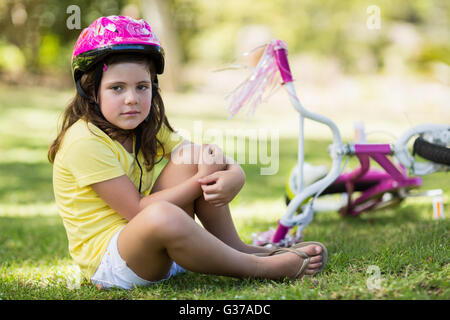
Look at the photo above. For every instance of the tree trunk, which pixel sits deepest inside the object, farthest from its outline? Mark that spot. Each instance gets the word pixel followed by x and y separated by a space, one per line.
pixel 157 14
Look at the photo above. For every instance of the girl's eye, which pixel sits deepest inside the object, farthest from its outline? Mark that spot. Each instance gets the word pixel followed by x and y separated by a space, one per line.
pixel 143 87
pixel 116 88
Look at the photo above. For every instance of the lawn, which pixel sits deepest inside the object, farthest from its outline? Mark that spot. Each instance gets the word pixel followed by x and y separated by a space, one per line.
pixel 399 253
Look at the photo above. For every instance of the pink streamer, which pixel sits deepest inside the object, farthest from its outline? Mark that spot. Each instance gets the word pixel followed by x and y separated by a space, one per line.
pixel 263 82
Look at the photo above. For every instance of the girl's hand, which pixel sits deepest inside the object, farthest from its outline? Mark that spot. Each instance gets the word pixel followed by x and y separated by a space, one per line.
pixel 211 160
pixel 219 188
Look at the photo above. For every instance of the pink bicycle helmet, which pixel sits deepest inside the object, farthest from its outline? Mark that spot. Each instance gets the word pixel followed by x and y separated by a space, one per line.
pixel 114 34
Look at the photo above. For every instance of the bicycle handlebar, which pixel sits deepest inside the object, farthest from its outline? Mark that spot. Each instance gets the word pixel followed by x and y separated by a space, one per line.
pixel 403 155
pixel 283 64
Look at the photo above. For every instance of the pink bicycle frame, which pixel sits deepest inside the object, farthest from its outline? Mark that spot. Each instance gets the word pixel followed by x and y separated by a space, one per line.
pixel 393 177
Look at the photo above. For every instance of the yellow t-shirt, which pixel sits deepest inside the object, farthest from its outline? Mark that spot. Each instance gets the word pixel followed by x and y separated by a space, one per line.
pixel 87 156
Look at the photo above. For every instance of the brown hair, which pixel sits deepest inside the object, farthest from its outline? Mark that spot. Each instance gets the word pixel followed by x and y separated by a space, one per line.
pixel 81 108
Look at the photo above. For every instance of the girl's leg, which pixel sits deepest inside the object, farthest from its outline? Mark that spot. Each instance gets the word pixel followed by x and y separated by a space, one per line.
pixel 219 222
pixel 163 232
pixel 216 220
pixel 173 174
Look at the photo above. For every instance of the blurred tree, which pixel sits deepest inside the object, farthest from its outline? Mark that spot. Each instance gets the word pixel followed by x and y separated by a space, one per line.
pixel 32 24
pixel 208 30
pixel 159 14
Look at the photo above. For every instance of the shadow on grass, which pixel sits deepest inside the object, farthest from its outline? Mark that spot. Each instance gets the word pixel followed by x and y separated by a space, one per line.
pixel 189 286
pixel 18 97
pixel 26 182
pixel 22 140
pixel 395 215
pixel 36 238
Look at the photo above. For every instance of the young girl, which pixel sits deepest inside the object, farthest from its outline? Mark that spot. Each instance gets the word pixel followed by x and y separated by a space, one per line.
pixel 122 230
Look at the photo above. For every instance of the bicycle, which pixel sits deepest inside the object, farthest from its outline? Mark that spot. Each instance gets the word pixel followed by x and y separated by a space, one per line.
pixel 379 188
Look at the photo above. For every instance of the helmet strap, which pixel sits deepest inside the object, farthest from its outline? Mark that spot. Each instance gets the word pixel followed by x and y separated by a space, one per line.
pixel 136 152
pixel 155 88
pixel 81 90
pixel 97 79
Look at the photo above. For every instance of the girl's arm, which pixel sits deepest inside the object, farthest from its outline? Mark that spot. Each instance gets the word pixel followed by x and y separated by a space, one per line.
pixel 122 196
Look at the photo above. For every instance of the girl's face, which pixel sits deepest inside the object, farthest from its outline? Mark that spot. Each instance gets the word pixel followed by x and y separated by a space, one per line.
pixel 125 94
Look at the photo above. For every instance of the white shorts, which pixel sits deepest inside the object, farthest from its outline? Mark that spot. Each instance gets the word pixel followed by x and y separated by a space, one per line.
pixel 113 271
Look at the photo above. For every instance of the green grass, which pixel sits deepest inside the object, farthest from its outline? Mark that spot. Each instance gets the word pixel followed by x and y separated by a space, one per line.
pixel 408 247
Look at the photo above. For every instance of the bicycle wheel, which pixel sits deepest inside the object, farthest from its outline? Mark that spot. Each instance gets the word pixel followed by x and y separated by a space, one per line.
pixel 431 151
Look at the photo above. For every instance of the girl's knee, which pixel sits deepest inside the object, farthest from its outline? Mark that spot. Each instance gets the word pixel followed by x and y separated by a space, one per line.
pixel 187 156
pixel 163 218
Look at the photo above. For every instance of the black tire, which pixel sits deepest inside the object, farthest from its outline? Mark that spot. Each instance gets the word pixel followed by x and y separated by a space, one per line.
pixel 337 188
pixel 341 188
pixel 432 152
